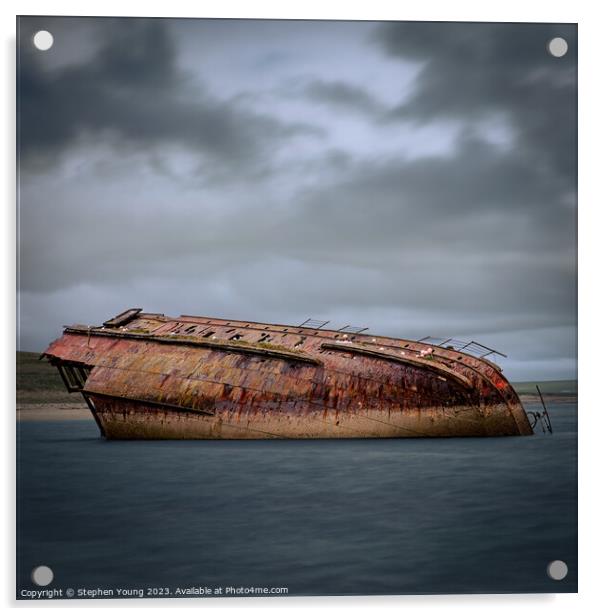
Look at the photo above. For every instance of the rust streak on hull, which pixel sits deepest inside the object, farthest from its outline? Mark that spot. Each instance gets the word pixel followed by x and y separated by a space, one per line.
pixel 147 376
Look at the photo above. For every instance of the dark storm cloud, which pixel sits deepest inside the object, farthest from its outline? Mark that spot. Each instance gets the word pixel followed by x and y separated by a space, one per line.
pixel 476 71
pixel 132 91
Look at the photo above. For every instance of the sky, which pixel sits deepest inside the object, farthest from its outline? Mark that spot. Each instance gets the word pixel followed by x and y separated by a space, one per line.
pixel 414 178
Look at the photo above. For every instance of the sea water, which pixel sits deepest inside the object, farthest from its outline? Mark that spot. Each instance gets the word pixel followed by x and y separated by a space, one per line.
pixel 456 515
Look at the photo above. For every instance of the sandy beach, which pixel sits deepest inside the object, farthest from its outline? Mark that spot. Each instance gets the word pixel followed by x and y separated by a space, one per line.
pixel 56 411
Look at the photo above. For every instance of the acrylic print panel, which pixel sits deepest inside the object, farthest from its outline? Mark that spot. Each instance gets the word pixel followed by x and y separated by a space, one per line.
pixel 304 297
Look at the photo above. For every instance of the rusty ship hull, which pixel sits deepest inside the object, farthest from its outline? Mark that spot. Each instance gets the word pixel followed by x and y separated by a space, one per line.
pixel 148 376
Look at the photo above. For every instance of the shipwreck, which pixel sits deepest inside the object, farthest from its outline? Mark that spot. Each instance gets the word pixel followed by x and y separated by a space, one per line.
pixel 149 376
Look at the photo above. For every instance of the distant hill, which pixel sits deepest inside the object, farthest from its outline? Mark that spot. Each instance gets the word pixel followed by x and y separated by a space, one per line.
pixel 551 388
pixel 39 382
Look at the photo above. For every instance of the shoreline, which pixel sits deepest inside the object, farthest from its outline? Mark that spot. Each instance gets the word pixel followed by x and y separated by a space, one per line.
pixel 554 399
pixel 53 411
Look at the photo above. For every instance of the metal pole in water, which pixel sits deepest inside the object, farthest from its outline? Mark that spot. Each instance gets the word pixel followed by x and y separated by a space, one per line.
pixel 545 410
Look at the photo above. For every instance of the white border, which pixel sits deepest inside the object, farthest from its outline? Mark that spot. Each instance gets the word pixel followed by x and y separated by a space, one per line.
pixel 590 104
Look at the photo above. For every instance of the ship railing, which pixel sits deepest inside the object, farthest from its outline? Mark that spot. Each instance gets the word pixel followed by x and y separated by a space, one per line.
pixel 314 323
pixel 472 348
pixel 353 329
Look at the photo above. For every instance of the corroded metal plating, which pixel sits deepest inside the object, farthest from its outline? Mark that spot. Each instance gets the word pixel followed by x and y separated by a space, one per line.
pixel 152 376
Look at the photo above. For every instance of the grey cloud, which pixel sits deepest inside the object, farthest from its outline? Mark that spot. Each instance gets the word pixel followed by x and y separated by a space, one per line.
pixel 343 96
pixel 469 235
pixel 131 91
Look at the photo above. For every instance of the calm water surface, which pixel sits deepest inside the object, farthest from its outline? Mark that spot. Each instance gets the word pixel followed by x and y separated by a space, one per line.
pixel 317 517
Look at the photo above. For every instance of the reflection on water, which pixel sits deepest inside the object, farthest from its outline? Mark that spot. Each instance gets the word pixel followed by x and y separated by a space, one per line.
pixel 318 517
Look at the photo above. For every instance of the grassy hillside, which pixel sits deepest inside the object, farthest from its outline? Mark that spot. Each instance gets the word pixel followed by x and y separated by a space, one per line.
pixel 39 382
pixel 551 388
